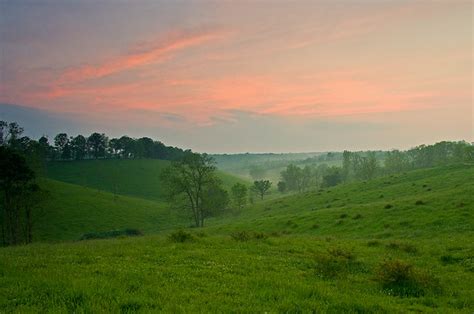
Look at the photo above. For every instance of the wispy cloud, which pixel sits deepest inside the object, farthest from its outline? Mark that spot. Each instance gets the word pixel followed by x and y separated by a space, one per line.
pixel 142 55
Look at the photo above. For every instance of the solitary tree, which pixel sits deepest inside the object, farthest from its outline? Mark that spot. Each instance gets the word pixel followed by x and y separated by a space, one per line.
pixel 239 195
pixel 261 187
pixel 188 182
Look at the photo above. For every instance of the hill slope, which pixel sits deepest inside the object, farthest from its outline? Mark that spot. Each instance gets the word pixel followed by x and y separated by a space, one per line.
pixel 413 204
pixel 71 210
pixel 396 244
pixel 133 177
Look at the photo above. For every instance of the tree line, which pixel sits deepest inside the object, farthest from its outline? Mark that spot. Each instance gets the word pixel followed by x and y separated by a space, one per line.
pixel 95 146
pixel 359 166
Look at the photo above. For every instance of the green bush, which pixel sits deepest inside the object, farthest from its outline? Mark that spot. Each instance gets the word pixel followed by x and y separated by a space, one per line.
pixel 400 278
pixel 336 262
pixel 243 236
pixel 181 236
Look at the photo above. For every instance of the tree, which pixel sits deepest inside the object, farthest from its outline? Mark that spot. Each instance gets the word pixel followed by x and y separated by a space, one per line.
pixel 215 200
pixel 239 195
pixel 17 192
pixel 281 186
pixel 261 187
pixel 97 143
pixel 188 182
pixel 61 141
pixel 332 177
pixel 346 164
pixel 292 177
pixel 79 147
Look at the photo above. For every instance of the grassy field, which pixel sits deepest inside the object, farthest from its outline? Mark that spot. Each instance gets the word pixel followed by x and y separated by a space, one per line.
pixel 132 177
pixel 400 244
pixel 72 210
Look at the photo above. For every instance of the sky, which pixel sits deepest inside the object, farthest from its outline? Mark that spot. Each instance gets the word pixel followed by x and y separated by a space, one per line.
pixel 241 76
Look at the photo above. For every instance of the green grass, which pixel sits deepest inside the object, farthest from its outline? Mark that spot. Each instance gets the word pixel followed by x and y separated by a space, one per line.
pixel 71 210
pixel 132 177
pixel 335 250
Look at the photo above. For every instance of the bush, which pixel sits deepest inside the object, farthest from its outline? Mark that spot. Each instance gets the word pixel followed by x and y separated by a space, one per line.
pixel 180 236
pixel 419 202
pixel 111 234
pixel 403 279
pixel 358 216
pixel 388 206
pixel 335 262
pixel 243 236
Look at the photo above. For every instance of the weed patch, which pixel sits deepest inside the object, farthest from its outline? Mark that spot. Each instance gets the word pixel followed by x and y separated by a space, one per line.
pixel 401 278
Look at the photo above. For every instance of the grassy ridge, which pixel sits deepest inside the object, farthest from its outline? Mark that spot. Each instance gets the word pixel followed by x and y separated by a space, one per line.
pixel 71 210
pixel 133 177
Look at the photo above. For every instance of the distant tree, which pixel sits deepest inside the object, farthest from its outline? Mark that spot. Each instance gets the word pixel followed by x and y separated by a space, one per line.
pixel 346 164
pixel 239 195
pixel 292 176
pixel 144 147
pixel 97 144
pixel 79 147
pixel 127 146
pixel 261 187
pixel 61 141
pixel 332 177
pixel 188 181
pixel 281 186
pixel 396 161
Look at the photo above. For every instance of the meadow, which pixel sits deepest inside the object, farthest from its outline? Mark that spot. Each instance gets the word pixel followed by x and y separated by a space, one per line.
pixel 400 243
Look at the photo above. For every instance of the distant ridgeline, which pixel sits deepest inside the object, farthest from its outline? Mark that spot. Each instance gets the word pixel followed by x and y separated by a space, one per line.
pixel 95 146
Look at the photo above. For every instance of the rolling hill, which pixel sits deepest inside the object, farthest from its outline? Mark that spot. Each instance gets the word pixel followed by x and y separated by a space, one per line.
pixel 402 243
pixel 133 177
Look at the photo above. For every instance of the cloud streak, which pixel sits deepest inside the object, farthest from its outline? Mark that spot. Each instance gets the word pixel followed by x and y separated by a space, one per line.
pixel 147 54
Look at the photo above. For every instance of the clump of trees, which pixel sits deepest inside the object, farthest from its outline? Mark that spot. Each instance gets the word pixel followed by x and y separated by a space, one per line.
pixel 358 166
pixel 20 196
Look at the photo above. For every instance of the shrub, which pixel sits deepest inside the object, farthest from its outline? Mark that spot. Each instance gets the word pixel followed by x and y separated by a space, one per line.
pixel 335 262
pixel 403 279
pixel 180 236
pixel 240 236
pixel 243 236
pixel 343 215
pixel 357 216
pixel 419 202
pixel 111 234
pixel 388 206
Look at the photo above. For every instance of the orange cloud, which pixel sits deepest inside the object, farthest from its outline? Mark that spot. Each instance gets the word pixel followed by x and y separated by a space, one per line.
pixel 153 53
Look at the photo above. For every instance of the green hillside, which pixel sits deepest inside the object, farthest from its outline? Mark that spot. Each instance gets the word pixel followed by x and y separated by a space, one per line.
pixel 413 204
pixel 133 177
pixel 395 244
pixel 71 210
